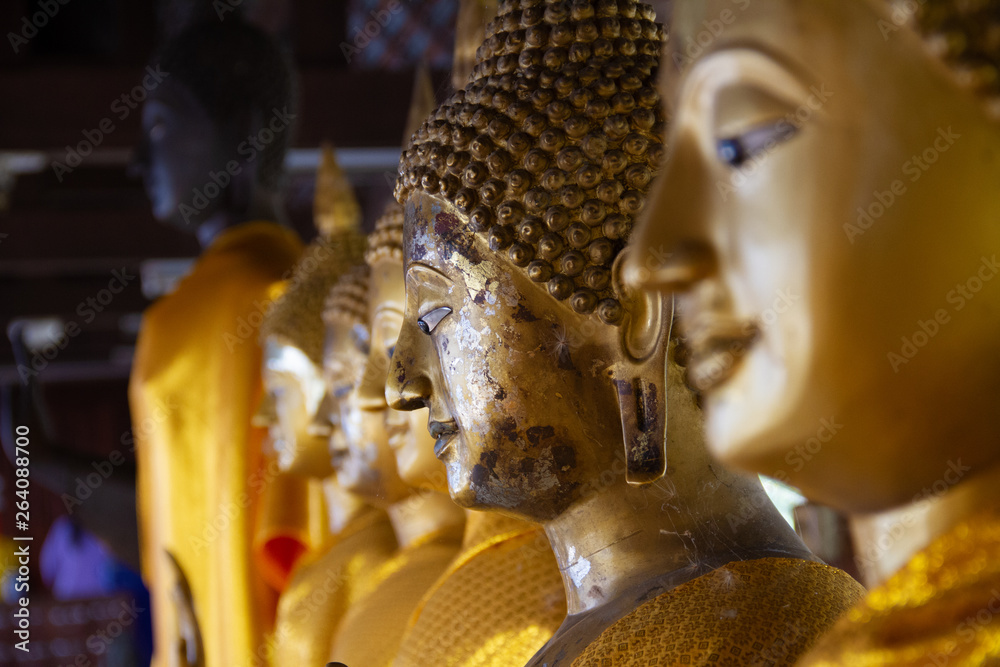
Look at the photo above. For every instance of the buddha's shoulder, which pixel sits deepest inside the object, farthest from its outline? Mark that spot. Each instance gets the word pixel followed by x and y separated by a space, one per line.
pixel 769 610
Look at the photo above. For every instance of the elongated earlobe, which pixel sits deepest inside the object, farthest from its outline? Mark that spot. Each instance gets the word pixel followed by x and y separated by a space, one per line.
pixel 641 381
pixel 644 427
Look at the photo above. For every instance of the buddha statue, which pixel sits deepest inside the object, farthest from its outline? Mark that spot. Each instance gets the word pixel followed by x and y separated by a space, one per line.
pixel 827 217
pixel 428 526
pixel 551 387
pixel 504 560
pixel 353 539
pixel 195 379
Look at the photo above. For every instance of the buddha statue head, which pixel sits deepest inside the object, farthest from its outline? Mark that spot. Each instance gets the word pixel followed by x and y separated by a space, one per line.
pixel 292 334
pixel 362 459
pixel 827 217
pixel 215 130
pixel 407 434
pixel 538 368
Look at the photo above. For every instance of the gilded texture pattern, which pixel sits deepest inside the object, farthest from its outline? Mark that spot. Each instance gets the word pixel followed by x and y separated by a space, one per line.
pixel 549 150
pixel 942 608
pixel 759 612
pixel 324 586
pixel 515 579
pixel 370 633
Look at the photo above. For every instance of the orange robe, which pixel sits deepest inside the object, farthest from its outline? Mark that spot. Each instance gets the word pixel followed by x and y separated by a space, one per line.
pixel 195 385
pixel 942 609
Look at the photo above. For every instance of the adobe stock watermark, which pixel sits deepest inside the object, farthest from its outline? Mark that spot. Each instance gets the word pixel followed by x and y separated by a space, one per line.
pixel 796 458
pixel 121 108
pixel 88 309
pixel 100 642
pixel 968 631
pixel 363 35
pixel 315 256
pixel 913 169
pixel 103 470
pixel 953 474
pixel 30 25
pixel 713 29
pixel 783 130
pixel 902 13
pixel 958 297
pixel 249 148
pixel 721 362
pixel 229 512
pixel 288 627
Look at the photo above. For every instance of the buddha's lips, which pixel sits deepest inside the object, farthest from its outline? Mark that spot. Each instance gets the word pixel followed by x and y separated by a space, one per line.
pixel 717 343
pixel 443 433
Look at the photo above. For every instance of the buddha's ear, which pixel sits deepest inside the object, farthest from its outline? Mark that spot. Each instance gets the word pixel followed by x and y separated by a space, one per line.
pixel 640 376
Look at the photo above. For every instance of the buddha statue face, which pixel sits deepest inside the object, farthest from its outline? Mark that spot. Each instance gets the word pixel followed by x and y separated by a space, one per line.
pixel 519 193
pixel 293 387
pixel 222 82
pixel 359 446
pixel 522 399
pixel 180 145
pixel 827 217
pixel 407 432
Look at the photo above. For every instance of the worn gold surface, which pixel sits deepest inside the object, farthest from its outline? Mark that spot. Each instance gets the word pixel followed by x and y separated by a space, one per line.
pixel 326 584
pixel 408 437
pixel 194 387
pixel 370 633
pixel 507 361
pixel 942 608
pixel 778 256
pixel 785 135
pixel 758 612
pixel 548 150
pixel 507 566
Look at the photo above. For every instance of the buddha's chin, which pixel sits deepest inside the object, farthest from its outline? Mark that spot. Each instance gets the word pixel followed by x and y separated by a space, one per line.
pixel 747 418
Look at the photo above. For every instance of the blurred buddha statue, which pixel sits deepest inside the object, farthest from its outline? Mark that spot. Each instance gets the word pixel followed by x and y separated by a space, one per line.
pixel 552 390
pixel 427 525
pixel 196 377
pixel 353 539
pixel 828 214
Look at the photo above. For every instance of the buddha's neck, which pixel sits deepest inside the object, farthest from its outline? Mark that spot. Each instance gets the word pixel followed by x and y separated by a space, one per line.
pixel 341 507
pixel 886 541
pixel 423 514
pixel 483 526
pixel 625 541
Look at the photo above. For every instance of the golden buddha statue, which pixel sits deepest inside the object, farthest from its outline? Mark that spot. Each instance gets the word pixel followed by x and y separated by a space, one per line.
pixel 195 380
pixel 354 539
pixel 427 525
pixel 549 385
pixel 503 560
pixel 826 217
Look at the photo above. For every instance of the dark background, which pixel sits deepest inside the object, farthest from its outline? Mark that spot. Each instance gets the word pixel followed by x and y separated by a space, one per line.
pixel 61 241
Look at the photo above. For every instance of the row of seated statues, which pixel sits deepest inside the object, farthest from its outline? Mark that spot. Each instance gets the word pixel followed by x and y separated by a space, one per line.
pixel 633 261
